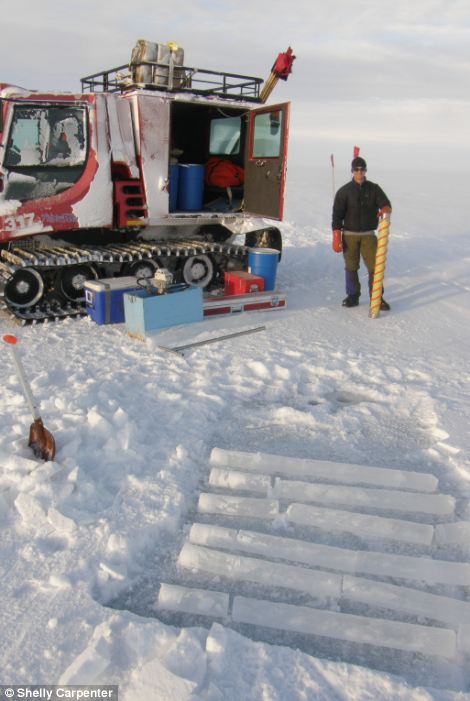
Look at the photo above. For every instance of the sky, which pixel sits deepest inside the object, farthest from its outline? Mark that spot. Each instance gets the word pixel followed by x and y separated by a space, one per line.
pixel 389 76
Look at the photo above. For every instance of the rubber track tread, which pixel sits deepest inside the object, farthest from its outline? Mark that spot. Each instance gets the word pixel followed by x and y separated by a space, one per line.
pixel 62 256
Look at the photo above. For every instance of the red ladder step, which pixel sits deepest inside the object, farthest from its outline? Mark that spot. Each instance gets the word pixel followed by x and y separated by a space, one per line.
pixel 130 204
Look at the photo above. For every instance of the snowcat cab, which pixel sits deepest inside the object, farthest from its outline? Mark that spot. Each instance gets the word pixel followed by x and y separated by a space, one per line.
pixel 115 180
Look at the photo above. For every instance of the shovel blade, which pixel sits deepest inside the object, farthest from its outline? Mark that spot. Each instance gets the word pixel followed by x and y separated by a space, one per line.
pixel 41 441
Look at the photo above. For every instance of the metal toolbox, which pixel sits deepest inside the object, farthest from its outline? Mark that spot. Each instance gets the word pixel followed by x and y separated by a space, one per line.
pixel 146 312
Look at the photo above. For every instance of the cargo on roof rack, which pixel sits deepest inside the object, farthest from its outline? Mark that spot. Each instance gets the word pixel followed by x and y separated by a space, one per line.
pixel 160 67
pixel 199 81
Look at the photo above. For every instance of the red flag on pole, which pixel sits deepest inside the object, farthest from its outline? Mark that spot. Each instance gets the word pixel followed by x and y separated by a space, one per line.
pixel 356 151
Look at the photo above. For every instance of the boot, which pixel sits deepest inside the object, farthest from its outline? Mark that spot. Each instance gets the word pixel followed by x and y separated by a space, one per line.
pixel 351 301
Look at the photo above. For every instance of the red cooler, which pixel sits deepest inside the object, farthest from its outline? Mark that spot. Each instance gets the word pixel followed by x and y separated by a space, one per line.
pixel 242 283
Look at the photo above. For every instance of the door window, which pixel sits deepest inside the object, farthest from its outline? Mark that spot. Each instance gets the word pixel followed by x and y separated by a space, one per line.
pixel 267 134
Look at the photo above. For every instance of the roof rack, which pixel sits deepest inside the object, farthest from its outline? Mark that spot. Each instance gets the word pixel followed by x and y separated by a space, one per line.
pixel 171 78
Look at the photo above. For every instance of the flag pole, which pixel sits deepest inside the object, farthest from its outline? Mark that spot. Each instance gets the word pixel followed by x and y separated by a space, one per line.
pixel 332 159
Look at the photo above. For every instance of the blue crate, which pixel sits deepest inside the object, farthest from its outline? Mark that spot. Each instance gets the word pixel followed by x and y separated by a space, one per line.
pixel 145 312
pixel 104 298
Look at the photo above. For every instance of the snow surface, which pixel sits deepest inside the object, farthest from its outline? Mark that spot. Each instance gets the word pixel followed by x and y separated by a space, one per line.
pixel 87 539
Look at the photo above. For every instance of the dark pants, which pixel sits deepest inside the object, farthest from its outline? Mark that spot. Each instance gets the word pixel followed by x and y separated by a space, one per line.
pixel 355 246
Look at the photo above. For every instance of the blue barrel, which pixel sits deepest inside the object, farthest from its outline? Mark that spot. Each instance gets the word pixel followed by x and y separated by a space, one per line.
pixel 190 187
pixel 174 177
pixel 263 262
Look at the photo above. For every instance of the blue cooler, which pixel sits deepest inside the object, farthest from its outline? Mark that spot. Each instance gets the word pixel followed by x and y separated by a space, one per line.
pixel 263 262
pixel 190 187
pixel 104 298
pixel 174 178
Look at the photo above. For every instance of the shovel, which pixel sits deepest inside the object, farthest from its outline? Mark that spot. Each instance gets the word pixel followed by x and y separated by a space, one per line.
pixel 40 439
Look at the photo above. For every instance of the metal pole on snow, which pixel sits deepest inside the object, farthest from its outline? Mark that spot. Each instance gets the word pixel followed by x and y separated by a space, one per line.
pixel 179 349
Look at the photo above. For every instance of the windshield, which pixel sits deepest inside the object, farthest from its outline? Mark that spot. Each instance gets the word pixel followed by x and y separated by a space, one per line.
pixel 47 136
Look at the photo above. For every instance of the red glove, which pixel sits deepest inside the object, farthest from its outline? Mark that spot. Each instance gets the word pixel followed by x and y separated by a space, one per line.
pixel 337 240
pixel 385 212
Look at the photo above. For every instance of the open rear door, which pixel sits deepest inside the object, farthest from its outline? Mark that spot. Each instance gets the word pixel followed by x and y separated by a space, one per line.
pixel 265 160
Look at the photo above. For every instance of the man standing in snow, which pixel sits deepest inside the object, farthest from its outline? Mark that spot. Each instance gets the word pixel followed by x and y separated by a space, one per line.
pixel 356 211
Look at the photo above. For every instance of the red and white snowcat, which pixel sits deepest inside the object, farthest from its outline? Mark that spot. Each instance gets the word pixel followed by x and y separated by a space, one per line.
pixel 88 188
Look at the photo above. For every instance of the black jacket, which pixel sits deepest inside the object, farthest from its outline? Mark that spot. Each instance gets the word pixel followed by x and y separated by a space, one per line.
pixel 356 206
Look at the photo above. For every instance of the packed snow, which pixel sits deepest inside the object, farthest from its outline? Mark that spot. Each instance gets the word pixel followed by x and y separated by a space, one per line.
pixel 97 547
